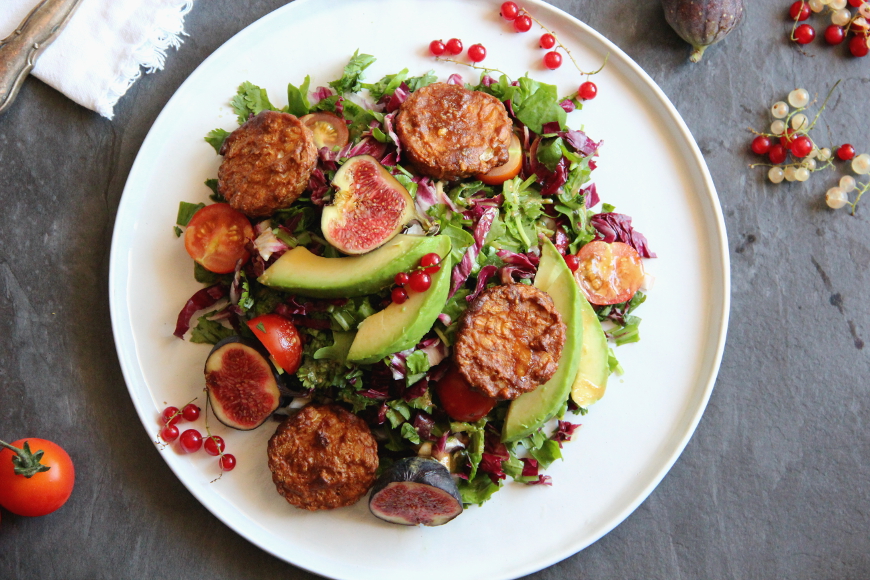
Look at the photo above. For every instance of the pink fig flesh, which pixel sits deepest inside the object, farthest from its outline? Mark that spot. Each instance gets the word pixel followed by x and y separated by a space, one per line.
pixel 369 208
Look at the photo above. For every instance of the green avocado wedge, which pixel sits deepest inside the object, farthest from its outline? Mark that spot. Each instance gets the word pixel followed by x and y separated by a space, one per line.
pixel 530 411
pixel 301 272
pixel 593 371
pixel 401 326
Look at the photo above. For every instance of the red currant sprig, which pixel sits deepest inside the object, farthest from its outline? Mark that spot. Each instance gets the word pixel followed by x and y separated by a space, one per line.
pixel 171 416
pixel 419 280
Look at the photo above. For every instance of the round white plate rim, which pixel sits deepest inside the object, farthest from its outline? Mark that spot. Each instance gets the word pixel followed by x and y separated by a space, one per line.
pixel 123 337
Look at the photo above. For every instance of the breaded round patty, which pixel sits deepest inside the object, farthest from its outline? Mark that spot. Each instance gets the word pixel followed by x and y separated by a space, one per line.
pixel 267 163
pixel 448 132
pixel 323 457
pixel 510 341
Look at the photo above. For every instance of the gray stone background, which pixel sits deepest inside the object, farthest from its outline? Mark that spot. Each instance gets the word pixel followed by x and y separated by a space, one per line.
pixel 775 483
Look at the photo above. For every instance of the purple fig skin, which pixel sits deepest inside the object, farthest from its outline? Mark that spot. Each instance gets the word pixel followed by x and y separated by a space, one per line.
pixel 703 22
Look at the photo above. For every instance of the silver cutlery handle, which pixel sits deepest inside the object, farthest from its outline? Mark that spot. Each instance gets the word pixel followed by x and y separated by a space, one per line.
pixel 19 51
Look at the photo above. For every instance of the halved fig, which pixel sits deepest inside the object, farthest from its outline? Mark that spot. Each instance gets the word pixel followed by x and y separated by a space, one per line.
pixel 416 490
pixel 242 384
pixel 369 208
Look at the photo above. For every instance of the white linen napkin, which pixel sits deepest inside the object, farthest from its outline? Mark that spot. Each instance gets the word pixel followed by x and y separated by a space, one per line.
pixel 104 46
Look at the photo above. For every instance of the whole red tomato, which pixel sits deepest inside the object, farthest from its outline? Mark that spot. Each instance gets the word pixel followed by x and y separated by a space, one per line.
pixel 45 491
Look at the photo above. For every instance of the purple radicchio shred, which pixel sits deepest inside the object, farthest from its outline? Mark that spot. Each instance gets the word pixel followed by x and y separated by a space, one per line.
pixel 445 319
pixel 542 480
pixel 423 423
pixel 319 94
pixel 564 432
pixel 199 301
pixel 382 414
pixel 568 105
pixel 306 322
pixel 388 127
pixel 492 443
pixel 560 240
pixel 436 351
pixel 551 183
pixel 398 97
pixel 318 186
pixel 427 195
pixel 616 227
pixel 550 128
pixel 418 390
pixel 236 286
pixel 440 447
pixel 367 146
pixel 580 142
pixel 373 393
pixel 483 277
pixel 520 265
pixel 487 81
pixel 455 79
pixel 591 195
pixel 530 467
pixel 463 269
pixel 592 165
pixel 339 106
pixel 391 159
pixel 491 465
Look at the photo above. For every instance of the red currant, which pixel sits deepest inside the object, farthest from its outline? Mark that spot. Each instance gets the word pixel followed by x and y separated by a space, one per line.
pixel 430 263
pixel 858 45
pixel 552 60
pixel 787 138
pixel 476 52
pixel 169 433
pixel 509 10
pixel 523 23
pixel 190 441
pixel 856 3
pixel 834 34
pixel 214 445
pixel 454 46
pixel 761 145
pixel 437 47
pixel 777 154
pixel 420 281
pixel 399 295
pixel 572 261
pixel 190 412
pixel 548 41
pixel 587 91
pixel 799 11
pixel 845 152
pixel 401 279
pixel 170 416
pixel 227 462
pixel 801 146
pixel 804 34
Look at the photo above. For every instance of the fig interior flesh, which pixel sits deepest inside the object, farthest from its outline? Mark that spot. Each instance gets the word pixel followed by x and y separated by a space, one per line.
pixel 369 208
pixel 702 23
pixel 415 491
pixel 241 384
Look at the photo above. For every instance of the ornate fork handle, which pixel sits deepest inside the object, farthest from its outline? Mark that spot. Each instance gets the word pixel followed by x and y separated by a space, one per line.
pixel 19 51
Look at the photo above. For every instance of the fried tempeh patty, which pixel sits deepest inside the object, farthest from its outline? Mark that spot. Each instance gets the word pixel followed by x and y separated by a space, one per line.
pixel 510 341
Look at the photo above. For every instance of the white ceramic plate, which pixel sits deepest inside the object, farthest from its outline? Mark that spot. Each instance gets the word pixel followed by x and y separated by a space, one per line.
pixel 650 168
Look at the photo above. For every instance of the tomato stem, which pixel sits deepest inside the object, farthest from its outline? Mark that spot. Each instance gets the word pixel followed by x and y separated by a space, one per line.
pixel 26 462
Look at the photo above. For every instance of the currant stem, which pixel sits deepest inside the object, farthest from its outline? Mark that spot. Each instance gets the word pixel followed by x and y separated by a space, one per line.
pixel 565 48
pixel 483 68
pixel 861 192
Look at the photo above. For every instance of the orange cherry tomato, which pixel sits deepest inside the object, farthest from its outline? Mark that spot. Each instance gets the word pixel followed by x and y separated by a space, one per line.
pixel 45 491
pixel 329 130
pixel 608 273
pixel 460 400
pixel 510 169
pixel 280 338
pixel 216 237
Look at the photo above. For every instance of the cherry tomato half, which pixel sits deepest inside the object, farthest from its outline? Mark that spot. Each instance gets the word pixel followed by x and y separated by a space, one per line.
pixel 608 273
pixel 45 491
pixel 510 169
pixel 329 130
pixel 280 338
pixel 216 237
pixel 460 400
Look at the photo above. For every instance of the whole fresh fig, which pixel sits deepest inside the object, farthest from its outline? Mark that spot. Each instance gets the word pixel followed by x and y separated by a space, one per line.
pixel 703 22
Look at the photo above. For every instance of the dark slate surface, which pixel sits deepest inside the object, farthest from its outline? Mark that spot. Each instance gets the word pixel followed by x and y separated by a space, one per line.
pixel 774 484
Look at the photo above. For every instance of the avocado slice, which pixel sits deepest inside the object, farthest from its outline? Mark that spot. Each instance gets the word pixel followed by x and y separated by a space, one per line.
pixel 301 272
pixel 530 411
pixel 401 326
pixel 593 371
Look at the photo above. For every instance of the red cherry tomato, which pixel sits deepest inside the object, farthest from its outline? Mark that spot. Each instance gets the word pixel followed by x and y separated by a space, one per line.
pixel 280 338
pixel 460 400
pixel 216 237
pixel 329 130
pixel 608 273
pixel 510 169
pixel 45 491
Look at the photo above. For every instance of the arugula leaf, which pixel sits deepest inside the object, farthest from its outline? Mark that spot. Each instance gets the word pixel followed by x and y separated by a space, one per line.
pixel 250 100
pixel 547 453
pixel 386 86
pixel 215 196
pixel 216 138
pixel 297 99
pixel 417 364
pixel 550 152
pixel 477 490
pixel 538 103
pixel 410 433
pixel 209 331
pixel 351 80
pixel 415 83
pixel 186 211
pixel 520 211
pixel 359 117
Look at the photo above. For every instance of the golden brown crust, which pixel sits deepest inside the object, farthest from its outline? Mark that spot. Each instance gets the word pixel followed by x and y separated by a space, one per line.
pixel 267 163
pixel 323 457
pixel 510 341
pixel 448 132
